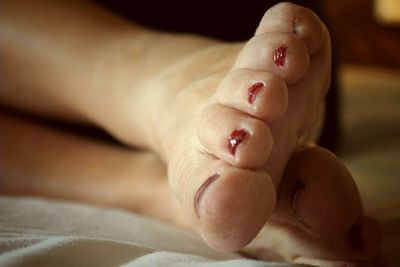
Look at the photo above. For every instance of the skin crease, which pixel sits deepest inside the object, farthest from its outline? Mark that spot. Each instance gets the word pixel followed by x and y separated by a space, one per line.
pixel 90 67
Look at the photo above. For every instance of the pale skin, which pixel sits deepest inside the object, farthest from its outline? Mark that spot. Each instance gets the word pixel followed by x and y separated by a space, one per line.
pixel 180 98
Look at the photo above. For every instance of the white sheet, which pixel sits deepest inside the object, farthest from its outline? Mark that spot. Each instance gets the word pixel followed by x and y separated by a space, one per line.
pixel 37 232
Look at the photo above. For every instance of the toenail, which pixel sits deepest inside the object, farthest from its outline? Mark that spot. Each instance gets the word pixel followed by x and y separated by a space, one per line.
pixel 235 139
pixel 355 238
pixel 280 56
pixel 201 190
pixel 298 189
pixel 253 91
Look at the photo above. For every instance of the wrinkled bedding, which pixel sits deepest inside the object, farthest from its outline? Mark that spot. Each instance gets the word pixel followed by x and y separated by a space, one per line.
pixel 37 232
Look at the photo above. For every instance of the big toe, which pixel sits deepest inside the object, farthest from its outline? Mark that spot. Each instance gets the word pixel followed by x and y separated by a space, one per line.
pixel 318 194
pixel 228 205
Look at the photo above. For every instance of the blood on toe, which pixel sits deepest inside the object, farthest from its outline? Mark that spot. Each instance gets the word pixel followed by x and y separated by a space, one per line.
pixel 280 56
pixel 253 91
pixel 201 190
pixel 235 139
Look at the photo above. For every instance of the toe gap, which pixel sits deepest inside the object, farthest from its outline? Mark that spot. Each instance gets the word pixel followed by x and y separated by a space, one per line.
pixel 295 24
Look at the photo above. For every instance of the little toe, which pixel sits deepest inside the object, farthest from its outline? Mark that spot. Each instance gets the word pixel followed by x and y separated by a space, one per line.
pixel 234 136
pixel 260 94
pixel 291 18
pixel 283 54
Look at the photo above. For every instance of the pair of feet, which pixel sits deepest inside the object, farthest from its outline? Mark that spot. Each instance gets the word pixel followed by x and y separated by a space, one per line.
pixel 232 131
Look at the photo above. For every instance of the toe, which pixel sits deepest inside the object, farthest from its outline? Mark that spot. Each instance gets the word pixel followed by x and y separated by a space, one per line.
pixel 260 94
pixel 318 194
pixel 295 245
pixel 228 205
pixel 284 54
pixel 365 234
pixel 234 136
pixel 235 208
pixel 291 18
pixel 306 96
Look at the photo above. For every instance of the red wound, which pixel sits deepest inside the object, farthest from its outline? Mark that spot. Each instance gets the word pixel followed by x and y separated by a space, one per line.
pixel 280 56
pixel 235 139
pixel 253 91
pixel 201 190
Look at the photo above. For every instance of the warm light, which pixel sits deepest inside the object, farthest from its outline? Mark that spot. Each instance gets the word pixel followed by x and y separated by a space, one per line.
pixel 387 11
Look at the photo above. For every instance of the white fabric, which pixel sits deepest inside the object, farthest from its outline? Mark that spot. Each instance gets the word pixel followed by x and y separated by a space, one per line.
pixel 37 232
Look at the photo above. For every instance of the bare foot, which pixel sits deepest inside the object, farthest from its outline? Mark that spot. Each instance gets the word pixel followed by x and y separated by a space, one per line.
pixel 227 136
pixel 318 186
pixel 226 119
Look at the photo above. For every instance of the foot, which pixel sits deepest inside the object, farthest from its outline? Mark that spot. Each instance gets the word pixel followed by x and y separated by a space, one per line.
pixel 229 117
pixel 241 122
pixel 317 189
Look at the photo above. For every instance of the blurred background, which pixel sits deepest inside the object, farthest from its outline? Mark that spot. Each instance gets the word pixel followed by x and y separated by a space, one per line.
pixel 366 35
pixel 365 31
